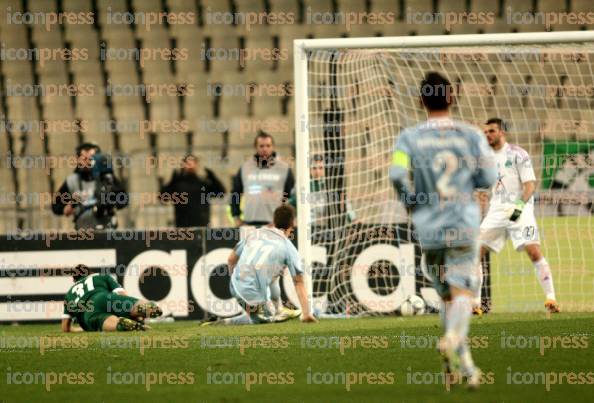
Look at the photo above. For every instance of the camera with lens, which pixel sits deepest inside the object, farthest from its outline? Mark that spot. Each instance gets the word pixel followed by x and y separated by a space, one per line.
pixel 106 193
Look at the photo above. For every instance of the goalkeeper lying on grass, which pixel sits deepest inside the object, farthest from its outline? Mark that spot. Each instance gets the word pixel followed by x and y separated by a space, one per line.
pixel 97 302
pixel 257 263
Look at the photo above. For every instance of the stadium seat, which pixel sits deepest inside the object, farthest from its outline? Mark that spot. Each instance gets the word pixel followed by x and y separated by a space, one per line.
pixel 215 6
pixel 328 30
pixel 57 107
pixel 500 25
pixel 209 137
pixel 247 6
pixel 318 6
pixel 88 72
pixel 13 5
pixel 423 6
pixel 105 6
pixel 41 5
pixel 128 108
pixel 6 184
pixel 581 6
pixel 198 105
pixel 181 6
pixel 77 6
pixel 517 6
pixel 83 37
pixel 354 6
pixel 428 29
pixel 265 106
pixel 172 140
pixel 233 105
pixel 61 142
pixel 286 35
pixel 155 34
pixel 241 132
pixel 186 17
pixel 117 37
pixel 215 16
pixel 143 182
pixel 396 29
pixel 451 6
pixel 363 30
pixel 225 54
pixel 285 6
pixel 146 6
pixel 485 6
pixel 34 179
pixel 98 128
pixel 385 6
pixel 548 6
pixel 193 65
pixel 132 141
pixel 466 29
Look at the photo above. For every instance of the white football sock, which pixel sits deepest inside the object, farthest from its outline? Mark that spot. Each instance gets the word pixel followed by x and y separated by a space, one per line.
pixel 545 277
pixel 275 295
pixel 476 301
pixel 443 315
pixel 458 319
pixel 466 361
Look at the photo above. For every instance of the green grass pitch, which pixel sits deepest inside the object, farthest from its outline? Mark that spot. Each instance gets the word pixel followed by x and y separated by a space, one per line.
pixel 395 355
pixel 385 359
pixel 568 245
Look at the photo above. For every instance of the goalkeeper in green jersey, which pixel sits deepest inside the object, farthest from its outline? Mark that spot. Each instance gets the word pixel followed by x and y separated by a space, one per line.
pixel 98 303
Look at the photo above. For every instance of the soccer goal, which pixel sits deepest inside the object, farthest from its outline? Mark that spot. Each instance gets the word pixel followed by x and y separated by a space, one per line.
pixel 354 96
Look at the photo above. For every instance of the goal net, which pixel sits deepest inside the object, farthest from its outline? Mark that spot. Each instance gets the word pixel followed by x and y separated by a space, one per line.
pixel 353 98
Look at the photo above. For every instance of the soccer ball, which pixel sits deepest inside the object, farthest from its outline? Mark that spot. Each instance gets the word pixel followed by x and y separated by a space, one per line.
pixel 413 305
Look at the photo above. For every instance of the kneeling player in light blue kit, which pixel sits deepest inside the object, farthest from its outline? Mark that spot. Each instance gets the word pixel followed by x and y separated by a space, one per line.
pixel 257 263
pixel 448 161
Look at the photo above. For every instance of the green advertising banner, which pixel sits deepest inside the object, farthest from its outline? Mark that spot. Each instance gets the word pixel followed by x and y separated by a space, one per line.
pixel 568 165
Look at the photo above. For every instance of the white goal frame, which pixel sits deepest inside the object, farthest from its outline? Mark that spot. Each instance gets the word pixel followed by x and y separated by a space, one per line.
pixel 300 59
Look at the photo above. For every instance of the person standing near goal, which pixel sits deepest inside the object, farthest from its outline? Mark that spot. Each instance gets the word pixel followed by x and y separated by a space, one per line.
pixel 448 160
pixel 511 210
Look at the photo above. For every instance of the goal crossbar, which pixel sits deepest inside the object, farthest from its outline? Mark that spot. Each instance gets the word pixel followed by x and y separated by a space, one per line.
pixel 516 38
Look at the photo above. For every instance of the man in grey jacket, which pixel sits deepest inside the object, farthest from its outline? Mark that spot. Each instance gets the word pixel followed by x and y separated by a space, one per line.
pixel 264 182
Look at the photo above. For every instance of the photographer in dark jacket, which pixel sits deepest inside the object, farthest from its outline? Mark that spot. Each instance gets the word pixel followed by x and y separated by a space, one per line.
pixel 91 194
pixel 194 193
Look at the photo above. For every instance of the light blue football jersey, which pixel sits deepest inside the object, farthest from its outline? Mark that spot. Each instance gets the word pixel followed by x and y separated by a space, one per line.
pixel 263 255
pixel 448 160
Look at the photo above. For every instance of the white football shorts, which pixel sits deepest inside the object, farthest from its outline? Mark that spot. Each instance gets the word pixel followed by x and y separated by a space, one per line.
pixel 496 228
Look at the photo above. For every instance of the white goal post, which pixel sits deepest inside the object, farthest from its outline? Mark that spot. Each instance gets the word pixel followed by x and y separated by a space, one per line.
pixel 352 98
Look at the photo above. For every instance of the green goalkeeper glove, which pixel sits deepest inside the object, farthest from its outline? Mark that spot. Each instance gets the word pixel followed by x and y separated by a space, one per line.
pixel 517 211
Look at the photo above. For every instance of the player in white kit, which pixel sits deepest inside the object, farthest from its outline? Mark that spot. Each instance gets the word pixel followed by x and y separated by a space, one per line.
pixel 511 210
